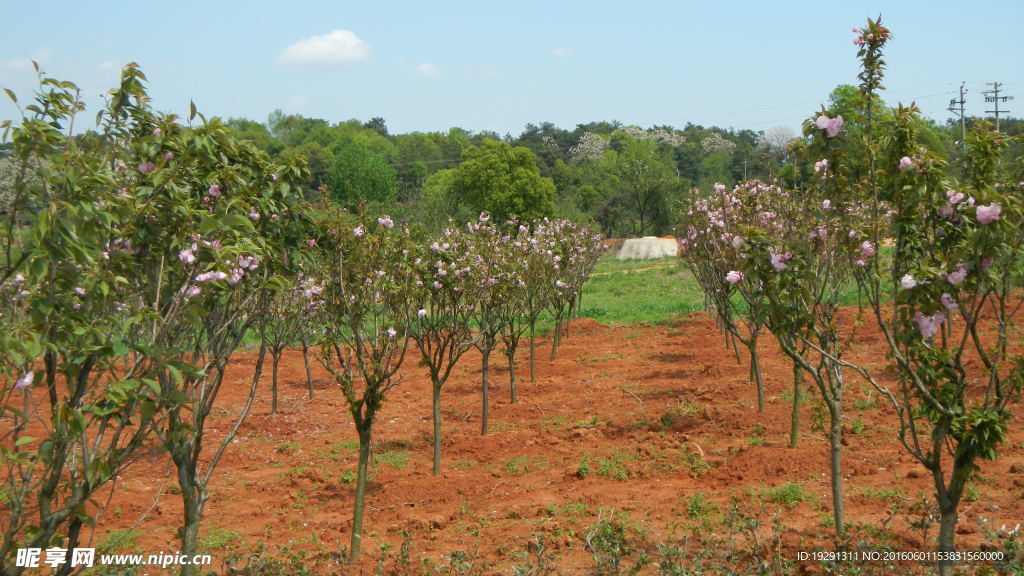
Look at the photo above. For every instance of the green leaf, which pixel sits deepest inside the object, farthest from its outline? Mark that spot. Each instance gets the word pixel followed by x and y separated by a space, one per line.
pixel 24 440
pixel 191 110
pixel 11 95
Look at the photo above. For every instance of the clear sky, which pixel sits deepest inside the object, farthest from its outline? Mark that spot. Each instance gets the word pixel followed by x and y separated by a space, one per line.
pixel 483 65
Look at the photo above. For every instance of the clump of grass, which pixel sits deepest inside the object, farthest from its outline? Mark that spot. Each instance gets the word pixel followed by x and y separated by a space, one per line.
pixel 393 458
pixel 788 495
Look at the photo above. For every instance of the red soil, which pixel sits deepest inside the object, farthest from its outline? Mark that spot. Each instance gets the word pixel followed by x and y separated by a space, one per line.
pixel 282 481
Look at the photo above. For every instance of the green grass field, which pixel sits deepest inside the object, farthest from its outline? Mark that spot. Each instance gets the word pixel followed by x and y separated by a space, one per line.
pixel 626 292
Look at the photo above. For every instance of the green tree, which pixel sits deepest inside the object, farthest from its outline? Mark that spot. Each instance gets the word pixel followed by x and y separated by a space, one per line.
pixel 504 181
pixel 359 175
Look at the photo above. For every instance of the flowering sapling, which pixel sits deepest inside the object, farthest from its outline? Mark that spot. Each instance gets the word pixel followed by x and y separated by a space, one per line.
pixel 367 305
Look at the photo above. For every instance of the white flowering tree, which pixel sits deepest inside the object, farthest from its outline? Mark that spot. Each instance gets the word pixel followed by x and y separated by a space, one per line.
pixel 447 294
pixel 366 304
pixel 714 247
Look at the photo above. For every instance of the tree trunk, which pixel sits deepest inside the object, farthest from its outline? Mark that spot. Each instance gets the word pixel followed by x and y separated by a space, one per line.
pixel 755 372
pixel 276 353
pixel 794 420
pixel 486 394
pixel 835 449
pixel 365 438
pixel 556 339
pixel 512 373
pixel 193 499
pixel 533 350
pixel 305 359
pixel 437 426
pixel 947 530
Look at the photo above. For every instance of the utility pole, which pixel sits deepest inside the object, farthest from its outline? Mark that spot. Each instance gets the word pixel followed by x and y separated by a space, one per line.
pixel 953 107
pixel 996 99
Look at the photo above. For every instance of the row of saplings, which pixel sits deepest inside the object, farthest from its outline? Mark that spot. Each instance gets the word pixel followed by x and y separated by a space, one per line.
pixel 935 258
pixel 134 260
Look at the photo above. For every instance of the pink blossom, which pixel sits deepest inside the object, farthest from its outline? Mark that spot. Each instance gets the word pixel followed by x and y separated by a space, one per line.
pixel 311 242
pixel 358 232
pixel 211 276
pixel 214 191
pixel 929 325
pixel 948 301
pixel 737 242
pixel 908 281
pixel 392 333
pixel 236 276
pixel 834 124
pixel 146 167
pixel 421 313
pixel 956 278
pixel 906 162
pixel 954 196
pixel 187 256
pixel 822 167
pixel 18 279
pixel 822 122
pixel 193 291
pixel 156 132
pixel 779 261
pixel 484 216
pixel 560 284
pixel 25 381
pixel 826 204
pixel 867 249
pixel 719 187
pixel 989 214
pixel 168 156
pixel 734 277
pixel 385 221
pixel 254 215
pixel 80 291
pixel 860 262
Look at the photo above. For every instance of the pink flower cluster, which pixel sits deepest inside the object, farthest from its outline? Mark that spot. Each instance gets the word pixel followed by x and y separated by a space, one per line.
pixel 779 261
pixel 866 37
pixel 929 325
pixel 989 214
pixel 831 126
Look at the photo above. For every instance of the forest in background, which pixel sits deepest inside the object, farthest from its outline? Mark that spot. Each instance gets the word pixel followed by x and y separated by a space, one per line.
pixel 626 180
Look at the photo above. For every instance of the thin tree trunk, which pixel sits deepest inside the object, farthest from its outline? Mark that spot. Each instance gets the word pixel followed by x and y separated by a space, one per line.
pixel 276 353
pixel 835 449
pixel 437 426
pixel 794 420
pixel 533 350
pixel 557 338
pixel 305 359
pixel 365 438
pixel 486 393
pixel 512 373
pixel 755 372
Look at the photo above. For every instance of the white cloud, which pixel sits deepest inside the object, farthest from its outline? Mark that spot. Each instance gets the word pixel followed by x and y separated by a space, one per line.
pixel 561 52
pixel 297 101
pixel 428 69
pixel 332 49
pixel 109 65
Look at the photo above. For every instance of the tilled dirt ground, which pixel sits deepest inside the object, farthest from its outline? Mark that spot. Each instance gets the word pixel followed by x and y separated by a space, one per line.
pixel 627 422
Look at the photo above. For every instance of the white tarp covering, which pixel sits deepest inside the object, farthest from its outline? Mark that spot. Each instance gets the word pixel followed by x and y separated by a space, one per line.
pixel 647 248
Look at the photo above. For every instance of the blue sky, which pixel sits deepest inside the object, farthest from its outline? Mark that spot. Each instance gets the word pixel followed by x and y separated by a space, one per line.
pixel 481 65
